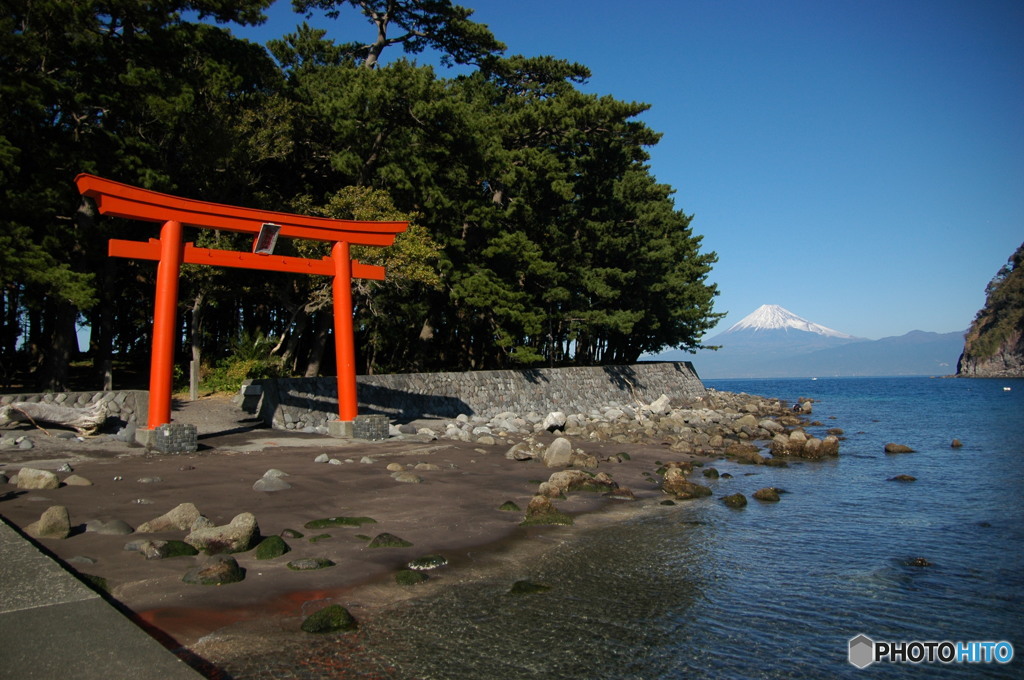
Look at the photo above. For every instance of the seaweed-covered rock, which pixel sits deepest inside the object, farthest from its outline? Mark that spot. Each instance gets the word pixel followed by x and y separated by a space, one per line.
pixel 567 481
pixel 542 511
pixel 735 500
pixel 271 547
pixel 510 506
pixel 408 577
pixel 331 619
pixel 338 522
pixel 768 494
pixel 748 454
pixel 621 493
pixel 215 571
pixel 386 540
pixel 898 448
pixel 527 588
pixel 902 478
pixel 158 550
pixel 677 485
pixel 309 563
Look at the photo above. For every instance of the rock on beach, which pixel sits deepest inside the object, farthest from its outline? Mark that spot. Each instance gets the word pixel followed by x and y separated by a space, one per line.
pixel 53 523
pixel 181 518
pixel 237 536
pixel 30 478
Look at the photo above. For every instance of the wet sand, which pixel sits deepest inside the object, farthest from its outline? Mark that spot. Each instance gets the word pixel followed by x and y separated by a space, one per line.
pixel 454 512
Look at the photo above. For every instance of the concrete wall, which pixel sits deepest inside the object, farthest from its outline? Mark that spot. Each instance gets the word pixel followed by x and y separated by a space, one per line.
pixel 309 403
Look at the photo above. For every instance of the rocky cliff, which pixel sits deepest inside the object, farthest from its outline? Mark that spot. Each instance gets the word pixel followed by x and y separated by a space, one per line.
pixel 994 345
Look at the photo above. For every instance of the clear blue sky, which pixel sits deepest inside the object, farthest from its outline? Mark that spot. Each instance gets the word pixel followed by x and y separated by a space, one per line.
pixel 859 162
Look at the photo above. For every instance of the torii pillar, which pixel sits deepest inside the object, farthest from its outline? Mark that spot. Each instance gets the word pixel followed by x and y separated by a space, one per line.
pixel 173 213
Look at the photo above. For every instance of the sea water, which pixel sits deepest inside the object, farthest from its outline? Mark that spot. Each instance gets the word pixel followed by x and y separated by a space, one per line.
pixel 773 590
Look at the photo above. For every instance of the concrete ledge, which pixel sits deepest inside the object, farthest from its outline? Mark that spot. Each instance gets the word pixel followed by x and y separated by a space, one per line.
pixel 53 626
pixel 342 429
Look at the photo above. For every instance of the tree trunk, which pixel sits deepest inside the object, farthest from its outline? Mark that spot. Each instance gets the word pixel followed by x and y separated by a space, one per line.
pixel 10 331
pixel 316 352
pixel 197 346
pixel 101 336
pixel 300 321
pixel 63 344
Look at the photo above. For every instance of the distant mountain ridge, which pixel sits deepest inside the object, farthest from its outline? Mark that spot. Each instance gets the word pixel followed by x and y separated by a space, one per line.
pixel 773 342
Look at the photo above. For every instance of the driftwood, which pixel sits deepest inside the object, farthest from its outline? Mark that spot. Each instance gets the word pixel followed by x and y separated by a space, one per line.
pixel 83 420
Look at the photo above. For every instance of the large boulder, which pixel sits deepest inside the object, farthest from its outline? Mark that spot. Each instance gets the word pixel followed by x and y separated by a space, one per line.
pixel 30 478
pixel 53 523
pixel 661 406
pixel 559 453
pixel 239 535
pixel 554 421
pixel 181 518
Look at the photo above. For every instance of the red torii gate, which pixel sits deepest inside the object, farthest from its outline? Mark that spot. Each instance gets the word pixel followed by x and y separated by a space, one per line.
pixel 122 200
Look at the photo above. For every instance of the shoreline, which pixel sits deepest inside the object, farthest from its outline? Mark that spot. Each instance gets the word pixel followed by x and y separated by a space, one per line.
pixel 454 511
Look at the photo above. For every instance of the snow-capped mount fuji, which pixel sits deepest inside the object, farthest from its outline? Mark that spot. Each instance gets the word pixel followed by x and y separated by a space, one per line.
pixel 773 342
pixel 774 317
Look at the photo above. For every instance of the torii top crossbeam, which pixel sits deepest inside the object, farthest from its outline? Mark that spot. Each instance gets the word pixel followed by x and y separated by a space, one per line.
pixel 122 200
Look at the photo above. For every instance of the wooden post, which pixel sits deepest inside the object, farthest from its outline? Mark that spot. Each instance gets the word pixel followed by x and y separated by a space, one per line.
pixel 344 333
pixel 161 367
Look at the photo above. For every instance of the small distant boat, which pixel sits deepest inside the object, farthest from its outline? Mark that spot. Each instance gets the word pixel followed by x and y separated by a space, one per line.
pixel 1007 389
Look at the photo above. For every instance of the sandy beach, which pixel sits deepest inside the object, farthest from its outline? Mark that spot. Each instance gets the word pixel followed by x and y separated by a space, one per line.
pixel 455 511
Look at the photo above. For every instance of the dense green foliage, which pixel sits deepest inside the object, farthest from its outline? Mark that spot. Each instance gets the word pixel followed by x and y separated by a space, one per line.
pixel 1001 320
pixel 538 237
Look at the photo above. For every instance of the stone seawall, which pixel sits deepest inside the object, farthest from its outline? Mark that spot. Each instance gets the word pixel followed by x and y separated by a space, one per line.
pixel 309 403
pixel 130 407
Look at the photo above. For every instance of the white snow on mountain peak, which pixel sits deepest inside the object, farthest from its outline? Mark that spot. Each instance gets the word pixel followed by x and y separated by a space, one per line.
pixel 774 317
